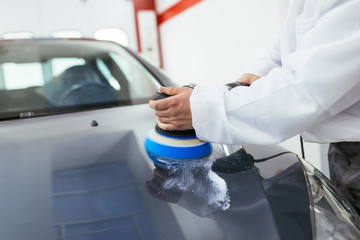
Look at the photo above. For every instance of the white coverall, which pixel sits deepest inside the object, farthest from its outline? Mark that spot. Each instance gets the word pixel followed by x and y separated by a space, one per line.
pixel 310 82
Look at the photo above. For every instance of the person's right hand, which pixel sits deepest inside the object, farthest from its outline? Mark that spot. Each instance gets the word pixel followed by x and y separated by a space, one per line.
pixel 248 78
pixel 174 112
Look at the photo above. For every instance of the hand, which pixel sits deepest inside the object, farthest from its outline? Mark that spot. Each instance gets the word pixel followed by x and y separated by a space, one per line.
pixel 174 112
pixel 248 78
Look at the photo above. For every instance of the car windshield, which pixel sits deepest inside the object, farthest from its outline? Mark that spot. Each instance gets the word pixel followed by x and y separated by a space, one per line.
pixel 54 76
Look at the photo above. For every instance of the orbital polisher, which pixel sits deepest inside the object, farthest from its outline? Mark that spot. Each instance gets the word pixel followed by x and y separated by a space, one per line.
pixel 175 147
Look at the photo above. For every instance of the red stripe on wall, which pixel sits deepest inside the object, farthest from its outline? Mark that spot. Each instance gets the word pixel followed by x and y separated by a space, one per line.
pixel 176 9
pixel 138 6
pixel 146 5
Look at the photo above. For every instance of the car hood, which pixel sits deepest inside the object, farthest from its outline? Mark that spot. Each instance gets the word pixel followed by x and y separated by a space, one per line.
pixel 64 176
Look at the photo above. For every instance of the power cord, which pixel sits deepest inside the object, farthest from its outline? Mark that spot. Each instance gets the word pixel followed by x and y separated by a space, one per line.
pixel 302 147
pixel 282 153
pixel 264 159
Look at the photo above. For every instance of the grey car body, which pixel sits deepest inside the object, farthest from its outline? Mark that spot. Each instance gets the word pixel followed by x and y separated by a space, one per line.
pixel 73 164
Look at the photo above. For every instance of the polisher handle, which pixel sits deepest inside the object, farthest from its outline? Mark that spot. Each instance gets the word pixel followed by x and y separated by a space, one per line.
pixel 159 95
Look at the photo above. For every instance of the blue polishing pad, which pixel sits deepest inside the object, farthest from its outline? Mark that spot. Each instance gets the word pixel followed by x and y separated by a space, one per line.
pixel 161 146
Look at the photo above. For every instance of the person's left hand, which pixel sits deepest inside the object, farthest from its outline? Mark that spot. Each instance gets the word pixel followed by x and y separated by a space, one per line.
pixel 174 112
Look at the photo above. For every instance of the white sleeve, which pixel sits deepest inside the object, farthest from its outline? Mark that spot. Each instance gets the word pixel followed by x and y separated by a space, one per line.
pixel 263 60
pixel 317 81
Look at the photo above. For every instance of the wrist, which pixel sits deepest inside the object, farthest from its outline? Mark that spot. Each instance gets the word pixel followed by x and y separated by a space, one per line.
pixel 248 78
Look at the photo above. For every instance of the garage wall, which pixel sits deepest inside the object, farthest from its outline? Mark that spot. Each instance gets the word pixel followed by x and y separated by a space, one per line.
pixel 43 17
pixel 213 47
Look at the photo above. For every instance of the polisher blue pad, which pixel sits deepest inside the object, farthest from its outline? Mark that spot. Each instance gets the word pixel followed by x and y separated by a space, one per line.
pixel 161 146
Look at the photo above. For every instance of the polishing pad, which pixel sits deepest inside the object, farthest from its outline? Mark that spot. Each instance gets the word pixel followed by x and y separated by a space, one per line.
pixel 159 145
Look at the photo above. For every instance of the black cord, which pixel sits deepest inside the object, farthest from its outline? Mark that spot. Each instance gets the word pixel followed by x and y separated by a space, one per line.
pixel 302 153
pixel 302 148
pixel 264 159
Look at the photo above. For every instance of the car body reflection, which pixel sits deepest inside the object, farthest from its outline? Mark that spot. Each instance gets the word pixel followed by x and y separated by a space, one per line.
pixel 277 206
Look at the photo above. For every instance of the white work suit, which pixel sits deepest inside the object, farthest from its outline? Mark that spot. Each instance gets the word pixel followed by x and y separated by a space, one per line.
pixel 310 82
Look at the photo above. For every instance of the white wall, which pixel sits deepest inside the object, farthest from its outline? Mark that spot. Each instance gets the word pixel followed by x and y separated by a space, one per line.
pixel 42 17
pixel 210 42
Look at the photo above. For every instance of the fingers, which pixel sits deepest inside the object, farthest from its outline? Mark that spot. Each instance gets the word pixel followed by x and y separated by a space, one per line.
pixel 168 120
pixel 164 104
pixel 159 105
pixel 171 90
pixel 171 125
pixel 163 113
pixel 174 112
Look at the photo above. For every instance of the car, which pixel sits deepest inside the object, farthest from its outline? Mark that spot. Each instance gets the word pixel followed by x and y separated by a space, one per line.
pixel 74 118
